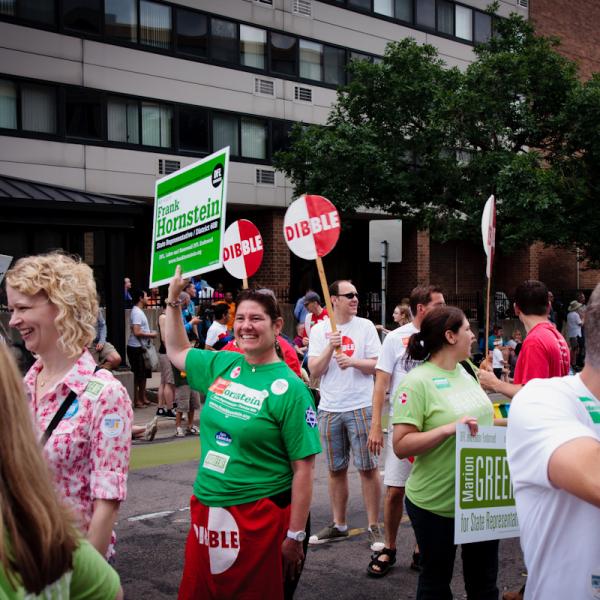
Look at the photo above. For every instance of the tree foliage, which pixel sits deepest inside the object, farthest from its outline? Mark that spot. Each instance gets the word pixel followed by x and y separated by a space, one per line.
pixel 429 144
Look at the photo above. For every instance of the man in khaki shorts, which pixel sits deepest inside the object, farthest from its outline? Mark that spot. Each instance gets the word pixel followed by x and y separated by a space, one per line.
pixel 103 352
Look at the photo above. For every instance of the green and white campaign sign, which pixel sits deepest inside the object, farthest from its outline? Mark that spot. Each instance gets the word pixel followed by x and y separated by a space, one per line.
pixel 485 505
pixel 189 219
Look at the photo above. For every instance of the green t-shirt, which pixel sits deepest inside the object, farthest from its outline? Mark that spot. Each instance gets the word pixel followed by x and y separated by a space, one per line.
pixel 256 419
pixel 92 578
pixel 427 398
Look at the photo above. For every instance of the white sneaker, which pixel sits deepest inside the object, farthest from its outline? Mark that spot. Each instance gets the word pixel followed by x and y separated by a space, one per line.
pixel 151 429
pixel 180 432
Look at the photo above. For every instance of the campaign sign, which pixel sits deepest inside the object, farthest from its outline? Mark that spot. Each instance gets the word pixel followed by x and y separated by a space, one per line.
pixel 311 227
pixel 485 505
pixel 242 249
pixel 189 219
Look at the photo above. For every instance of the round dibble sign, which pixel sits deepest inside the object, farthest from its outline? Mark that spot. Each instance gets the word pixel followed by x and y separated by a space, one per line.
pixel 242 249
pixel 311 227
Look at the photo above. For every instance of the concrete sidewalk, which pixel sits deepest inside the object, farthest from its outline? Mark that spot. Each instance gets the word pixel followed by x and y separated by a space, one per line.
pixel 166 427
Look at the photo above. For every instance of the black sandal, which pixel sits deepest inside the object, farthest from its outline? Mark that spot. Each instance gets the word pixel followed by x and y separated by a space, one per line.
pixel 379 568
pixel 415 565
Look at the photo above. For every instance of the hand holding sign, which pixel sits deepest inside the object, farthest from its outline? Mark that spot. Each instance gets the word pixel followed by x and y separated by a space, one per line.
pixel 242 250
pixel 312 228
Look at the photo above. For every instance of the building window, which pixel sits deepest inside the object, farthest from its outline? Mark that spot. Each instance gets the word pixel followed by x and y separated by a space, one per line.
pixel 8 7
pixel 280 135
pixel 83 114
pixel 483 27
pixel 224 41
pixel 193 129
pixel 84 16
pixel 120 19
pixel 362 4
pixel 38 108
pixel 254 138
pixel 192 33
pixel 225 133
pixel 39 11
pixel 334 65
pixel 445 17
pixel 284 50
pixel 311 55
pixel 8 105
pixel 384 7
pixel 464 22
pixel 253 44
pixel 156 124
pixel 123 120
pixel 425 16
pixel 403 10
pixel 155 24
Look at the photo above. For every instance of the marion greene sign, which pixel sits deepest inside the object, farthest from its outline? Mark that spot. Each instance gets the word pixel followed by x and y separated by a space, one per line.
pixel 485 506
pixel 311 227
pixel 189 219
pixel 242 249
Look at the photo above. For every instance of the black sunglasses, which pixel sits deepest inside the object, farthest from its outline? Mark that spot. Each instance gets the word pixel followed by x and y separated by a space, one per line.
pixel 349 295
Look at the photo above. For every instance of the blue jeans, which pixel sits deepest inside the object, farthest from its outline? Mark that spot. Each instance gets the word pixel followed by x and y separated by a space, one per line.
pixel 435 536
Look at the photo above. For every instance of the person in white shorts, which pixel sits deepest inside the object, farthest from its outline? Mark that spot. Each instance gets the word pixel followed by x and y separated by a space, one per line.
pixel 553 449
pixel 390 370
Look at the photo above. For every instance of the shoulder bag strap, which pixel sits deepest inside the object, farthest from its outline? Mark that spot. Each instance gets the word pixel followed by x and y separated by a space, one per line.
pixel 60 413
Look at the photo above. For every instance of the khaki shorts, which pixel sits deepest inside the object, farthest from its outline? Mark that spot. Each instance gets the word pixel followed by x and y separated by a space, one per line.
pixel 100 357
pixel 166 370
pixel 186 398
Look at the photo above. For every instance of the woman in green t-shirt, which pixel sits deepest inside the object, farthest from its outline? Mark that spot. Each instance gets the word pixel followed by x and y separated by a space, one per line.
pixel 258 440
pixel 431 400
pixel 46 558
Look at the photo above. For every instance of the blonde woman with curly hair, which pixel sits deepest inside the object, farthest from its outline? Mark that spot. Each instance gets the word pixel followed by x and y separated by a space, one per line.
pixel 53 305
pixel 49 561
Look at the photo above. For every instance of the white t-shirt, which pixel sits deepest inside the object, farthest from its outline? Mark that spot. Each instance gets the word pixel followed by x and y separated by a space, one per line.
pixel 560 534
pixel 497 359
pixel 137 317
pixel 215 330
pixel 573 324
pixel 391 359
pixel 346 389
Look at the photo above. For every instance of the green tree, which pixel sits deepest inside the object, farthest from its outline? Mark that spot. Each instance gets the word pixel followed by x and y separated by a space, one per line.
pixel 429 144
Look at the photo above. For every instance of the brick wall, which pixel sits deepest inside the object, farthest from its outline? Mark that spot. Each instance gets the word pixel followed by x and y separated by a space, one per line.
pixel 274 271
pixel 577 24
pixel 458 267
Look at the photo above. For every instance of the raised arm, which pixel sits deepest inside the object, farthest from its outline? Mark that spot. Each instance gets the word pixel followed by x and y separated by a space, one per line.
pixel 176 339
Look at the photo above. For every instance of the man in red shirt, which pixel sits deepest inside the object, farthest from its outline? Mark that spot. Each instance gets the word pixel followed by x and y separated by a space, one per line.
pixel 316 313
pixel 544 353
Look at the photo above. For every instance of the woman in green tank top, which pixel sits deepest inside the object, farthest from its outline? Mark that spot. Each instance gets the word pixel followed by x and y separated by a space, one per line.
pixel 431 400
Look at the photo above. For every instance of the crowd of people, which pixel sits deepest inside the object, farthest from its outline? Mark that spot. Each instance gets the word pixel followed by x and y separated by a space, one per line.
pixel 262 427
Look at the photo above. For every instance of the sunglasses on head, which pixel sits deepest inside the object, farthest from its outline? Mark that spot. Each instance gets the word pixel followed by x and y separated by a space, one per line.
pixel 349 295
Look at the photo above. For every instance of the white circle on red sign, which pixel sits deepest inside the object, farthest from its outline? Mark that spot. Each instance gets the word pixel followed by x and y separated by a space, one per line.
pixel 242 249
pixel 222 538
pixel 311 227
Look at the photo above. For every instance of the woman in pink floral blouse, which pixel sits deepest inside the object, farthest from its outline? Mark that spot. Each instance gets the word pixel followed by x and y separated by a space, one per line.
pixel 52 298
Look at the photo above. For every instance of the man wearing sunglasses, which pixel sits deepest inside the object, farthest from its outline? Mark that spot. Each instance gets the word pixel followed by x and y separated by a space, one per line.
pixel 345 362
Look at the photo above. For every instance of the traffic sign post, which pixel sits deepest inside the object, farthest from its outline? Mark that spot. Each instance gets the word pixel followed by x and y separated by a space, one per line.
pixel 311 228
pixel 385 245
pixel 242 250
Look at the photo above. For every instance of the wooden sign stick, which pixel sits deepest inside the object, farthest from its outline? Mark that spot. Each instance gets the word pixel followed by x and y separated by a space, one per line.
pixel 325 287
pixel 487 318
pixel 245 283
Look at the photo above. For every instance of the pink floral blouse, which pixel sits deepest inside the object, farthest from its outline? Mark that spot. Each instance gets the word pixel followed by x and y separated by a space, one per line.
pixel 89 449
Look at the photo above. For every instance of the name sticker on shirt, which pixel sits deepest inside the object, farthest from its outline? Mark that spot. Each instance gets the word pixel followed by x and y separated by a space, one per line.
pixel 441 383
pixel 595 583
pixel 215 461
pixel 94 387
pixel 593 409
pixel 279 386
pixel 112 425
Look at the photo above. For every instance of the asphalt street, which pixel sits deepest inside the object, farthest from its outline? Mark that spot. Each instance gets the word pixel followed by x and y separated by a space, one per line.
pixel 154 521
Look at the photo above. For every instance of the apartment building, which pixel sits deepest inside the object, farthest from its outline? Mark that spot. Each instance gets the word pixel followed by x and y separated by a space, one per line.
pixel 106 96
